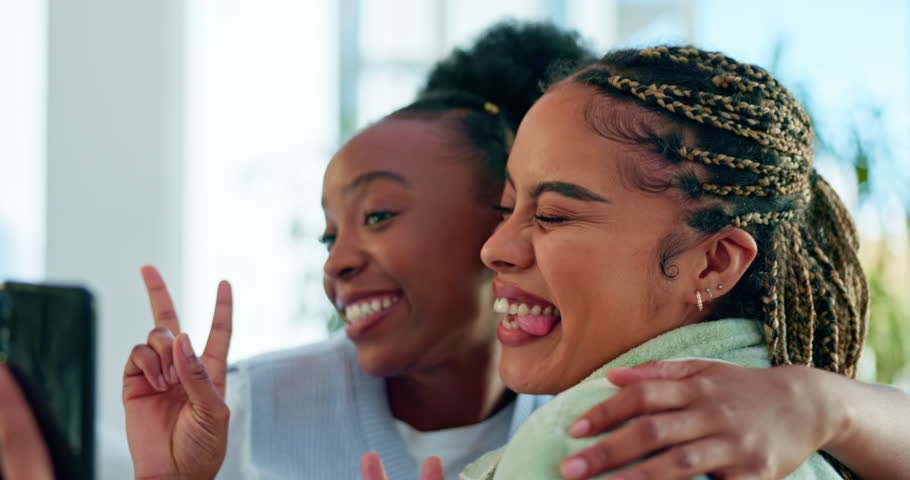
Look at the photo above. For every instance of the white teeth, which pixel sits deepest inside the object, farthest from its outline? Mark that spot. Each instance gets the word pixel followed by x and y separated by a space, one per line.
pixel 501 305
pixel 358 311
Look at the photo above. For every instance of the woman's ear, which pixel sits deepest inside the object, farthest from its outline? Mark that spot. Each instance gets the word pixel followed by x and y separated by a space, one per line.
pixel 727 256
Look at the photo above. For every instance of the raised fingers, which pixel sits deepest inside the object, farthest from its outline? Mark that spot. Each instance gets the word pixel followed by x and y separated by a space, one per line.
pixel 160 300
pixel 219 341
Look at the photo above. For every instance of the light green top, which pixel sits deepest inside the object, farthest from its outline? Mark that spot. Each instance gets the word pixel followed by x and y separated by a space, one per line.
pixel 541 443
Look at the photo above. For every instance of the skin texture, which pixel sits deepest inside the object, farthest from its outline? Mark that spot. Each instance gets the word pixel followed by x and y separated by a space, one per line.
pixel 414 230
pixel 23 455
pixel 557 246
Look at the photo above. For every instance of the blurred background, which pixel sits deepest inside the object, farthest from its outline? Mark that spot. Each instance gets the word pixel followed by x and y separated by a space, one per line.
pixel 192 135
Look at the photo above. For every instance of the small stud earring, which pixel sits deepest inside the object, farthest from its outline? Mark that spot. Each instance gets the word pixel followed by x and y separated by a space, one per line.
pixel 720 287
pixel 711 295
pixel 698 299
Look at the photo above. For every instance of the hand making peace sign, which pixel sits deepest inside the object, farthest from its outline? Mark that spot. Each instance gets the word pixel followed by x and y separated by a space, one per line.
pixel 176 417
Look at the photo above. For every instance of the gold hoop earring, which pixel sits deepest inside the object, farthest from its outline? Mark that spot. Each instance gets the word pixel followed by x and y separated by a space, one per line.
pixel 701 306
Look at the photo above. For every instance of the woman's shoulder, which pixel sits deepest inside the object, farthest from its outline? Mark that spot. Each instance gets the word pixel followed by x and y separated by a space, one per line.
pixel 324 369
pixel 542 442
pixel 305 356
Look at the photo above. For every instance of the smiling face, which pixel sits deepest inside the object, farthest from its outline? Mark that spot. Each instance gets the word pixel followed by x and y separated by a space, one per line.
pixel 582 240
pixel 404 223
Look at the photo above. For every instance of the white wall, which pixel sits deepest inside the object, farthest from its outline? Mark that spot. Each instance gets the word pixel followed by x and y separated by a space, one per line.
pixel 114 164
pixel 23 51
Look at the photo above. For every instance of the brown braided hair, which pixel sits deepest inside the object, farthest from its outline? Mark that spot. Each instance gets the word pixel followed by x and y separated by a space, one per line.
pixel 750 166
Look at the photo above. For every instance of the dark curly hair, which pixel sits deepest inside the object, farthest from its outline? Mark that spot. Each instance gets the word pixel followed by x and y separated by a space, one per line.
pixel 490 85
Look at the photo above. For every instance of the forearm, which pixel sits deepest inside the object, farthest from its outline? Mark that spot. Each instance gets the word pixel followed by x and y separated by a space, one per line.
pixel 871 430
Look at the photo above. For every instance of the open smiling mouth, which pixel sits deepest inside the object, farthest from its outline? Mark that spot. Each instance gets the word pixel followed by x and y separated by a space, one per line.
pixel 535 319
pixel 528 317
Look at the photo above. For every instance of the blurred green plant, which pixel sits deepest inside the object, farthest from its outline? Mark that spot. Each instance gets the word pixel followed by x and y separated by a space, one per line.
pixel 886 261
pixel 865 152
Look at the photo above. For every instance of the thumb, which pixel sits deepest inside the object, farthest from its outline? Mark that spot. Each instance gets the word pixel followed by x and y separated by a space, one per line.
pixel 656 370
pixel 432 469
pixel 193 376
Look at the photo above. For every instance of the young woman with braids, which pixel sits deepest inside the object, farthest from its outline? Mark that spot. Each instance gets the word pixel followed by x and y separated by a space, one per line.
pixel 662 204
pixel 424 372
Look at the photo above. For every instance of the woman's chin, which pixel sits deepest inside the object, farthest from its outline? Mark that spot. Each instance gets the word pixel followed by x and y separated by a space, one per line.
pixel 379 362
pixel 524 376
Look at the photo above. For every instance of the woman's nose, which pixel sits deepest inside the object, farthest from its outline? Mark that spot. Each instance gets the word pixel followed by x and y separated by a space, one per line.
pixel 507 250
pixel 345 260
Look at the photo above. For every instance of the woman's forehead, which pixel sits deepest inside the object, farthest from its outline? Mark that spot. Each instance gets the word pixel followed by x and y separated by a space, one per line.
pixel 415 151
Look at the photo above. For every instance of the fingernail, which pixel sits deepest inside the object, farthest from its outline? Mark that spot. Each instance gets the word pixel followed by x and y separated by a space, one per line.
pixel 575 468
pixel 162 385
pixel 580 428
pixel 187 348
pixel 172 374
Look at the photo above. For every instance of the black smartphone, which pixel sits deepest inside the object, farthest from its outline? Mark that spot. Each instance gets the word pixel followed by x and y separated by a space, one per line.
pixel 47 339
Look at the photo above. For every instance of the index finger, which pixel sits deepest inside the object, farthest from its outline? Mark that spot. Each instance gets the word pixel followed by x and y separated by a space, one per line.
pixel 162 305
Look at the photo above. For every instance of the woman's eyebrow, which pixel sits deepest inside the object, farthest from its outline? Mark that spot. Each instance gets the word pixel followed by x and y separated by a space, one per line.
pixel 367 178
pixel 570 190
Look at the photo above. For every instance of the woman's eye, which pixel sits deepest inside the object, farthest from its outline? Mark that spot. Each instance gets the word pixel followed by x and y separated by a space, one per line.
pixel 550 219
pixel 327 239
pixel 372 218
pixel 504 210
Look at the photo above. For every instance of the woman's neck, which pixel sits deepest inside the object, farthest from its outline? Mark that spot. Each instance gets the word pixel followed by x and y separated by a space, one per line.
pixel 464 391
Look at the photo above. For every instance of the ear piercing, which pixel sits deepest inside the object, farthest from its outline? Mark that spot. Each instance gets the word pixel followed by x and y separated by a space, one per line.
pixel 698 299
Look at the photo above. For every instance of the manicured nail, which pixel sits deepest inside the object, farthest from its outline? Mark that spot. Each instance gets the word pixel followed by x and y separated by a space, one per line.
pixel 580 428
pixel 162 384
pixel 188 349
pixel 172 375
pixel 575 468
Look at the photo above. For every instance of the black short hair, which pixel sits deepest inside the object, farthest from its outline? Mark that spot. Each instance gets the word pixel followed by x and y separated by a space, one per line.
pixel 493 83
